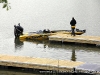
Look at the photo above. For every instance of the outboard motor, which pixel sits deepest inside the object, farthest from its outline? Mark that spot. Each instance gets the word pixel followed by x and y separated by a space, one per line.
pixel 84 30
pixel 18 30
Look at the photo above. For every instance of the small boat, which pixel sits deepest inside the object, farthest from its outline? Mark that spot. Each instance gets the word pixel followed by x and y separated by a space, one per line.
pixel 35 36
pixel 77 31
pixel 44 35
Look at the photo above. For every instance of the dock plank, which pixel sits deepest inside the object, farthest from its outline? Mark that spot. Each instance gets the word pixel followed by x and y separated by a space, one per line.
pixel 38 63
pixel 77 38
pixel 48 64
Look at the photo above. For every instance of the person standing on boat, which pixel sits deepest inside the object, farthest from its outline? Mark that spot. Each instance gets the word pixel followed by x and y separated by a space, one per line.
pixel 73 23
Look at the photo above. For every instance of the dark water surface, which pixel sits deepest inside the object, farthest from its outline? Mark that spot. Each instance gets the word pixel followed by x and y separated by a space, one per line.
pixel 36 15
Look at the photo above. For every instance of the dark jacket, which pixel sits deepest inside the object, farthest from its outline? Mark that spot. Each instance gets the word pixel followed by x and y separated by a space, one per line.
pixel 73 22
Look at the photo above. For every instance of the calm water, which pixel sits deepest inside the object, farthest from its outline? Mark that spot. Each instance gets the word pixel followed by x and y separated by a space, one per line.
pixel 36 15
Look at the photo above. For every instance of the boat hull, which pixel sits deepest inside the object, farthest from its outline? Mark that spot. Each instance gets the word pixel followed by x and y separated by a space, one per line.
pixel 45 36
pixel 34 36
pixel 68 32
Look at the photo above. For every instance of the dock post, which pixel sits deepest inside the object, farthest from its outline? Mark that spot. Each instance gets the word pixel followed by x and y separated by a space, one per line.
pixel 58 65
pixel 74 71
pixel 62 40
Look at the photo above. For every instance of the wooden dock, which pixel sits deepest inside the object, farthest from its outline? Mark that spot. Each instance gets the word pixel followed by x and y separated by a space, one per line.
pixel 38 63
pixel 77 39
pixel 47 64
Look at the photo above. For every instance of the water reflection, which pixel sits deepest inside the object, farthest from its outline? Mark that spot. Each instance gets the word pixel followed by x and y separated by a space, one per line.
pixel 70 51
pixel 73 57
pixel 71 46
pixel 18 44
pixel 45 42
